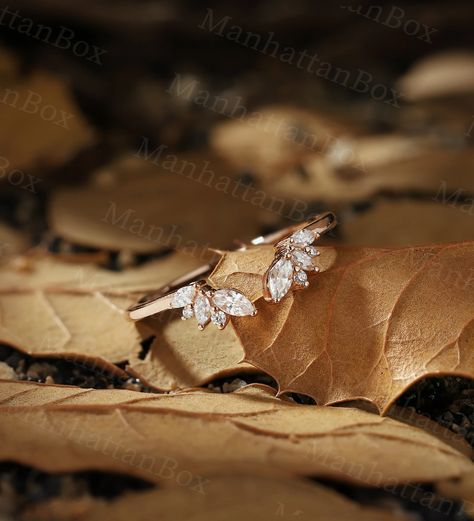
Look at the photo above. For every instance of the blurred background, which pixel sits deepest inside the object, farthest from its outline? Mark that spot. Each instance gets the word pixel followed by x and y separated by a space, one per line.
pixel 136 127
pixel 132 128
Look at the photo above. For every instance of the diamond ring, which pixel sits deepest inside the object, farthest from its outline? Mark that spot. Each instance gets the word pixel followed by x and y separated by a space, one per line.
pixel 293 259
pixel 197 299
pixel 294 254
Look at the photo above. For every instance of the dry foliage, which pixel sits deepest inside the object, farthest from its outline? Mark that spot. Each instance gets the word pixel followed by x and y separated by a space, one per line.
pixel 442 74
pixel 367 328
pixel 12 242
pixel 409 223
pixel 205 433
pixel 131 205
pixel 77 310
pixel 40 109
pixel 227 498
pixel 182 356
pixel 462 489
pixel 274 140
pixel 146 182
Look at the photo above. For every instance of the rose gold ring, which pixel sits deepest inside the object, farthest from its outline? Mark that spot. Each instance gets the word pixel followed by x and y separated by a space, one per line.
pixel 191 292
pixel 294 254
pixel 198 299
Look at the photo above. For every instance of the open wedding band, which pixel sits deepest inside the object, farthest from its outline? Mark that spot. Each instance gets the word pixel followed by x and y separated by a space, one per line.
pixel 294 253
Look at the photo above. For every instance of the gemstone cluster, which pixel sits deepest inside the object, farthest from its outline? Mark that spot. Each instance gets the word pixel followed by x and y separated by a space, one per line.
pixel 212 305
pixel 293 259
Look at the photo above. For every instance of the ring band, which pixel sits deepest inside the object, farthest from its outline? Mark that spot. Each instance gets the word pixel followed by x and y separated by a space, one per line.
pixel 161 299
pixel 192 293
pixel 319 224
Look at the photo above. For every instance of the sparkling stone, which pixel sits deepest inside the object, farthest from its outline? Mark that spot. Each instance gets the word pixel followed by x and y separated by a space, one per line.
pixel 219 318
pixel 303 237
pixel 202 310
pixel 302 259
pixel 183 297
pixel 280 278
pixel 300 278
pixel 233 302
pixel 311 250
pixel 187 312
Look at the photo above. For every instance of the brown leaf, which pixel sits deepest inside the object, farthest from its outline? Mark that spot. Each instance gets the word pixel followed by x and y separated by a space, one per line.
pixel 385 224
pixel 357 169
pixel 44 141
pixel 40 272
pixel 182 356
pixel 60 509
pixel 274 140
pixel 422 421
pixel 206 433
pixel 368 327
pixel 462 489
pixel 12 242
pixel 226 498
pixel 6 372
pixel 443 74
pixel 61 323
pixel 132 205
pixel 54 308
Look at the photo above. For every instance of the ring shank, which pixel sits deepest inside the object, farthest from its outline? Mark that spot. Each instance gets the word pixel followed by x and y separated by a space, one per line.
pixel 319 224
pixel 161 299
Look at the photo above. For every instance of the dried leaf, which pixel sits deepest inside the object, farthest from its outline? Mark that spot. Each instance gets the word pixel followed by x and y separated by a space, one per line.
pixel 274 140
pixel 48 307
pixel 203 434
pixel 385 224
pixel 368 327
pixel 60 509
pixel 38 272
pixel 443 74
pixel 359 168
pixel 421 421
pixel 6 372
pixel 82 326
pixel 52 130
pixel 226 498
pixel 462 489
pixel 12 242
pixel 132 205
pixel 182 356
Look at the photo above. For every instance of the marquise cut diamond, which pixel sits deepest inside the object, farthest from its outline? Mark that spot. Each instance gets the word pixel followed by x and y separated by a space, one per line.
pixel 303 237
pixel 183 297
pixel 302 259
pixel 202 310
pixel 233 302
pixel 280 278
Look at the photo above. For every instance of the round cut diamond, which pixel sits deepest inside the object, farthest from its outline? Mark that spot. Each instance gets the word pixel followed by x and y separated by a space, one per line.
pixel 219 318
pixel 300 278
pixel 183 297
pixel 279 279
pixel 303 237
pixel 187 313
pixel 311 250
pixel 302 259
pixel 233 302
